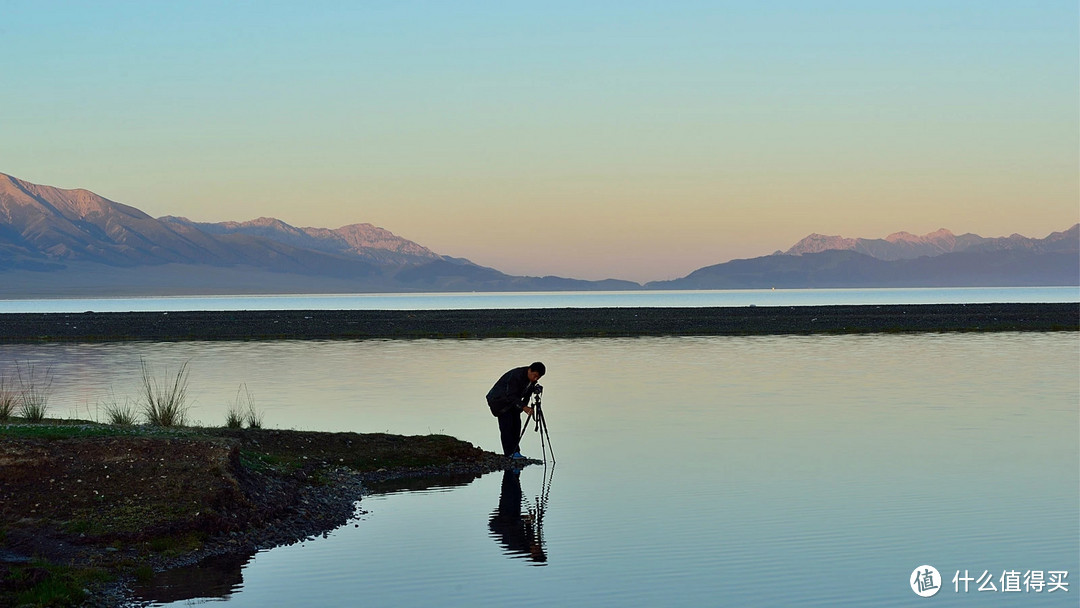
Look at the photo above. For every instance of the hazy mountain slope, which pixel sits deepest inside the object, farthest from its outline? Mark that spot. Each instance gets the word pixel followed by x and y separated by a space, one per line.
pixel 56 225
pixel 80 225
pixel 364 241
pixel 840 268
pixel 448 275
pixel 907 246
pixel 52 239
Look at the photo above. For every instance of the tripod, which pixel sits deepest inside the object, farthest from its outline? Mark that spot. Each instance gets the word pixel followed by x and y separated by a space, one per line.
pixel 540 427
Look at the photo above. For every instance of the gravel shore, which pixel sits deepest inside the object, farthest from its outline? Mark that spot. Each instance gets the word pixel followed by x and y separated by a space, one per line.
pixel 534 323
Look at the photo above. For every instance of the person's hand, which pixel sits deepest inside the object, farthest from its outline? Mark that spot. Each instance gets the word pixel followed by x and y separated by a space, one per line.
pixel 528 410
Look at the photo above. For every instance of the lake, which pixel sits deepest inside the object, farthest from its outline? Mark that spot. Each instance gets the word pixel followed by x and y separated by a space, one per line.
pixel 557 299
pixel 765 470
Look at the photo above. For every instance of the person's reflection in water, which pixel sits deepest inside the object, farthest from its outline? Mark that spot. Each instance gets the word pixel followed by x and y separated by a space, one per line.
pixel 521 533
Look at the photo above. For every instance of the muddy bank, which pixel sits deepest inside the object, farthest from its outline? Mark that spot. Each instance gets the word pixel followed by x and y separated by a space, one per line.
pixel 112 505
pixel 535 323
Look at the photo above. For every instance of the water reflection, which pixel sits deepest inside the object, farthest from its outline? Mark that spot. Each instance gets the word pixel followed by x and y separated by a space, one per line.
pixel 773 464
pixel 521 532
pixel 218 577
pixel 420 483
pixel 214 577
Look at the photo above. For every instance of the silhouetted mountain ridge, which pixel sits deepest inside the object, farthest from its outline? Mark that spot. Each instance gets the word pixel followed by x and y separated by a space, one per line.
pixel 61 242
pixel 48 229
pixel 844 268
pixel 364 241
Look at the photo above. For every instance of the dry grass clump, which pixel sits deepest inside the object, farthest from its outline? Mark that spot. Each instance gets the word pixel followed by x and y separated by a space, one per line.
pixel 121 415
pixel 165 404
pixel 35 386
pixel 243 411
pixel 8 398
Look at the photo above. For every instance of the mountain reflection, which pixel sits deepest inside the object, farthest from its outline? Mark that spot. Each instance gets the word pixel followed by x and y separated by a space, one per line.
pixel 520 531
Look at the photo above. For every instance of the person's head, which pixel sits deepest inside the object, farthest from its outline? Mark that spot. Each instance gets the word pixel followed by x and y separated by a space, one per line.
pixel 536 370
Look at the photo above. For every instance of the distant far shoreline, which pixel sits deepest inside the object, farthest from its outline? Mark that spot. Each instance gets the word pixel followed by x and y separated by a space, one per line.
pixel 534 323
pixel 511 300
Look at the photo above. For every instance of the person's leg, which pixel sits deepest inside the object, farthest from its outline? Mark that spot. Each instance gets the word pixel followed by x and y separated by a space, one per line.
pixel 510 431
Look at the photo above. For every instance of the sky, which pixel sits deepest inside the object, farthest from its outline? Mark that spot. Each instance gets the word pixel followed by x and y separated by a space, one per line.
pixel 632 140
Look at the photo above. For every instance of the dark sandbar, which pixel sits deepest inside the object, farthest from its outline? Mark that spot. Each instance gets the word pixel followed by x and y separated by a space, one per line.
pixel 535 323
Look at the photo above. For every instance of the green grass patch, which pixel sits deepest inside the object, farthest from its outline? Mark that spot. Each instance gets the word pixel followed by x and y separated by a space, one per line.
pixel 172 546
pixel 262 462
pixel 58 431
pixel 49 585
pixel 127 518
pixel 51 428
pixel 81 526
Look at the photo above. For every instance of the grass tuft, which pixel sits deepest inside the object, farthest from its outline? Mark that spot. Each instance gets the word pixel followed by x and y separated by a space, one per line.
pixel 165 404
pixel 254 418
pixel 121 415
pixel 8 398
pixel 243 411
pixel 35 387
pixel 234 418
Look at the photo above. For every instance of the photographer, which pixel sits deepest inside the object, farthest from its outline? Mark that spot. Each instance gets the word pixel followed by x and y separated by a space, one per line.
pixel 508 398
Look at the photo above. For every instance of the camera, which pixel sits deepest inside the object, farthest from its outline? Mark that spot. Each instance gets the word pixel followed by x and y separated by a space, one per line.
pixel 537 389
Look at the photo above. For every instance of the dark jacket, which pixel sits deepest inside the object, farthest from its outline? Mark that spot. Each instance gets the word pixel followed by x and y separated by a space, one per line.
pixel 511 392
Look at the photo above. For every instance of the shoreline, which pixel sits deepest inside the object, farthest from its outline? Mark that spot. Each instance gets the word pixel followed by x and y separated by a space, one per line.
pixel 534 323
pixel 99 509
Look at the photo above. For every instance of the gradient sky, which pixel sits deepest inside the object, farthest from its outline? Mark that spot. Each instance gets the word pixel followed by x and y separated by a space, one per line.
pixel 636 140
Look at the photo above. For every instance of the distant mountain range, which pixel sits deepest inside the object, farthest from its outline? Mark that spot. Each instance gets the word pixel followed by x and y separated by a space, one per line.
pixel 907 246
pixel 56 242
pixel 68 243
pixel 938 259
pixel 363 241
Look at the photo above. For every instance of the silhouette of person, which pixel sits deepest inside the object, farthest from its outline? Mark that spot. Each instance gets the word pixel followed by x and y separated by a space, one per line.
pixel 520 533
pixel 508 398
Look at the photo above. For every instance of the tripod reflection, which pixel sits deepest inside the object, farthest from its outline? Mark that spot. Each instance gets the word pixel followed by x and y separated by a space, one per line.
pixel 517 524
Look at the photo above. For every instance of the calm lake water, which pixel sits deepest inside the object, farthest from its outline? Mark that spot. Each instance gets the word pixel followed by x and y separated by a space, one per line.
pixel 559 299
pixel 763 471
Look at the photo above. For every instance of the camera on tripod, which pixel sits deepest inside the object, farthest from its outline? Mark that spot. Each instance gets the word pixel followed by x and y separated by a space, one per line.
pixel 541 423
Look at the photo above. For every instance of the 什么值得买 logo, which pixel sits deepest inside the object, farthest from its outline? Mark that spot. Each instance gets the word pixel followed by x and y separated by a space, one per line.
pixel 925 580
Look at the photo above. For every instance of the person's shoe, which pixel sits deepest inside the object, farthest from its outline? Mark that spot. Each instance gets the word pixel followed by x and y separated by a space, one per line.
pixel 517 456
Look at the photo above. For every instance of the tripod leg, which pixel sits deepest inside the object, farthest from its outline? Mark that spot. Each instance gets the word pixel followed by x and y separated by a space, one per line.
pixel 544 432
pixel 524 428
pixel 543 448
